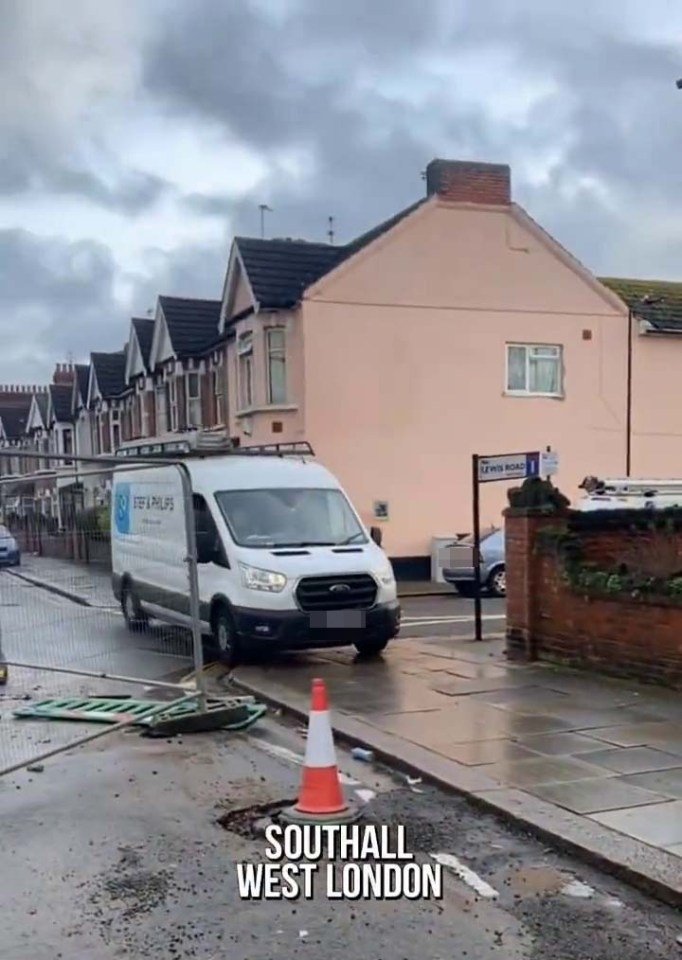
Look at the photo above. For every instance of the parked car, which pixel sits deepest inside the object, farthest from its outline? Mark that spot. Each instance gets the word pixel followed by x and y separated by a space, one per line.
pixel 10 555
pixel 493 573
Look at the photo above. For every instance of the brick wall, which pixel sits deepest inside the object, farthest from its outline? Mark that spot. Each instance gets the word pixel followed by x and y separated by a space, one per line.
pixel 548 620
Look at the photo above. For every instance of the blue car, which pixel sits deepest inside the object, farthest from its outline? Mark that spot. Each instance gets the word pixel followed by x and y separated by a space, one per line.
pixel 10 555
pixel 460 572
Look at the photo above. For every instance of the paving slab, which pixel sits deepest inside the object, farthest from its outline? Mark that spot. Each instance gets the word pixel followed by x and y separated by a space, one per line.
pixel 659 825
pixel 526 741
pixel 596 796
pixel 666 782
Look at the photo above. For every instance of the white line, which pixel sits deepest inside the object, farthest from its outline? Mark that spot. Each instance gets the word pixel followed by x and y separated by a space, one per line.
pixel 472 879
pixel 284 753
pixel 487 616
pixel 445 623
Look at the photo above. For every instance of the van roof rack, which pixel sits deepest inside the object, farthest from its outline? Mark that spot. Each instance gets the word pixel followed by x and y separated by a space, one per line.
pixel 631 486
pixel 215 447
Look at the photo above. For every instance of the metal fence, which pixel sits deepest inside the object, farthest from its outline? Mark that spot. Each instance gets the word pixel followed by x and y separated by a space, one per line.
pixel 64 639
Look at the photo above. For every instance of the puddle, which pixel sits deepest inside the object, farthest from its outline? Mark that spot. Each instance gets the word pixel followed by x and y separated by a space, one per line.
pixel 539 880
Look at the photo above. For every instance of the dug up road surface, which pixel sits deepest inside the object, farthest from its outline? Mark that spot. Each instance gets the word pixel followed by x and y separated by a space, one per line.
pixel 116 850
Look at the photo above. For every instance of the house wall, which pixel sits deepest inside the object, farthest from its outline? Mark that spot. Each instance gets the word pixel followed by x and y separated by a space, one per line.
pixel 405 368
pixel 656 424
pixel 264 422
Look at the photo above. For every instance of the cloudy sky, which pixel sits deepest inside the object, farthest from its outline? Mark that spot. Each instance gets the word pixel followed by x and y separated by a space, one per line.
pixel 136 137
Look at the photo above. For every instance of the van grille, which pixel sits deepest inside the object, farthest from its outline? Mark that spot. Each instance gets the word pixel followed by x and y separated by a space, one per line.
pixel 349 592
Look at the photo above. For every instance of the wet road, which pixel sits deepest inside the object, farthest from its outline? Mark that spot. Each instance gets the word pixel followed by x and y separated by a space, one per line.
pixel 448 615
pixel 116 849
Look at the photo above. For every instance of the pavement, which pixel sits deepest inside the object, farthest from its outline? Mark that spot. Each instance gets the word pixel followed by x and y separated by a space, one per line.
pixel 592 764
pixel 128 847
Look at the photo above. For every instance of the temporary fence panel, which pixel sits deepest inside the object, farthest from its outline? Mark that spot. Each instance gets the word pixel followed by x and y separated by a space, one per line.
pixel 63 632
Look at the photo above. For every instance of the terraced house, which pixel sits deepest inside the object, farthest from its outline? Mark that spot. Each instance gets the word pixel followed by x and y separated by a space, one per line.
pixel 457 326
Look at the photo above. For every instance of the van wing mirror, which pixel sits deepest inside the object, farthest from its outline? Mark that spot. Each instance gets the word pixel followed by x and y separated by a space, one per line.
pixel 377 534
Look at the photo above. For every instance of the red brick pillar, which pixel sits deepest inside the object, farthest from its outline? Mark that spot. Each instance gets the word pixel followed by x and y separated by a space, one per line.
pixel 524 579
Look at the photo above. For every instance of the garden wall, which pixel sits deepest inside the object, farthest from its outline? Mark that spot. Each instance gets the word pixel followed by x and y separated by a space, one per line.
pixel 601 589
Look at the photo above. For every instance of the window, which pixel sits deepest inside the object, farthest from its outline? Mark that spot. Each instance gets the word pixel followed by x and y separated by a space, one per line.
pixel 276 360
pixel 205 527
pixel 144 404
pixel 534 369
pixel 115 430
pixel 172 397
pixel 105 438
pixel 245 359
pixel 161 409
pixel 193 400
pixel 287 517
pixel 217 389
pixel 67 440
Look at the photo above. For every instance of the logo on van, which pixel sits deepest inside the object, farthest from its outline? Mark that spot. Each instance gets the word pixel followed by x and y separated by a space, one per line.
pixel 339 588
pixel 122 508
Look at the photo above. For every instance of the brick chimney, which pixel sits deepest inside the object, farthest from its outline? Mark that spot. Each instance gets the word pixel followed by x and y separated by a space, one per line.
pixel 63 373
pixel 465 181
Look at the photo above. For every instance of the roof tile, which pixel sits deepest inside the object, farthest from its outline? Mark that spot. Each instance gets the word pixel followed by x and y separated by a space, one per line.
pixel 279 271
pixel 192 324
pixel 657 301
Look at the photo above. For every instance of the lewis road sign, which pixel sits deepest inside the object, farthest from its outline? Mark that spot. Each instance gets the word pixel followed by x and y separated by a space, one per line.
pixel 508 466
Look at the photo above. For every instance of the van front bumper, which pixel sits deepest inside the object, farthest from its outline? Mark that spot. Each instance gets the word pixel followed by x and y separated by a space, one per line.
pixel 295 630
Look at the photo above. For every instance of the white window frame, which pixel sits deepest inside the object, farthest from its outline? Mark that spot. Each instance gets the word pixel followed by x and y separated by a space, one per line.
pixel 173 403
pixel 67 432
pixel 245 370
pixel 558 353
pixel 218 397
pixel 115 424
pixel 144 414
pixel 193 411
pixel 278 352
pixel 161 409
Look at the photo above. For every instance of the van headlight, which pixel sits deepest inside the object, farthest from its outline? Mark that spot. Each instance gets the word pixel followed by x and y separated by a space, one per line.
pixel 256 579
pixel 385 576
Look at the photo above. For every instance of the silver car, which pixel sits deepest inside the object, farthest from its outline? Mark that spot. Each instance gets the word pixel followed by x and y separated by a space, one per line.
pixel 460 569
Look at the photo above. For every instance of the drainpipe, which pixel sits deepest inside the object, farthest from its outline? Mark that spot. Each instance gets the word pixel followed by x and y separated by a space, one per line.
pixel 628 399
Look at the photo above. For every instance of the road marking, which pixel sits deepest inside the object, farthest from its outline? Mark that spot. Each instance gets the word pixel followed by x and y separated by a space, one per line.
pixel 464 873
pixel 576 888
pixel 284 753
pixel 444 623
pixel 455 617
pixel 365 795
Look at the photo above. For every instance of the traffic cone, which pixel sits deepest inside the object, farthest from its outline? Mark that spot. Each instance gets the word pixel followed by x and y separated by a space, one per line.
pixel 321 798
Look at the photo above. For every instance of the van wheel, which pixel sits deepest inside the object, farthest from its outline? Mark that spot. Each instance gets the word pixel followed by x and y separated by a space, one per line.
pixel 133 614
pixel 224 637
pixel 371 646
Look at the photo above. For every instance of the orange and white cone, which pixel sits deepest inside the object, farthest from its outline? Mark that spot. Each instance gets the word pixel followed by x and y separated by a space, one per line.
pixel 321 798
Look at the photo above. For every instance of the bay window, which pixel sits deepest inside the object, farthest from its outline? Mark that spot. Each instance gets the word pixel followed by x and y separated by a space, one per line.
pixel 193 400
pixel 245 370
pixel 276 365
pixel 217 391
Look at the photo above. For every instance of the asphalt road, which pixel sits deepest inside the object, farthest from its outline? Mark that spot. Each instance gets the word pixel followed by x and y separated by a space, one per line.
pixel 116 849
pixel 448 615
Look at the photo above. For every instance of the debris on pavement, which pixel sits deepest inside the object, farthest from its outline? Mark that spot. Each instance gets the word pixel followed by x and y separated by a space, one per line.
pixel 360 753
pixel 35 768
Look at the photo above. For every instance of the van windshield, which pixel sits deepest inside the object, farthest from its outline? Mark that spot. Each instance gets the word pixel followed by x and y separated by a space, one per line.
pixel 289 517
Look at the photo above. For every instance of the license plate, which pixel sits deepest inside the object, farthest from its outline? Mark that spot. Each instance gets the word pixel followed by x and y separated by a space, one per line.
pixel 337 619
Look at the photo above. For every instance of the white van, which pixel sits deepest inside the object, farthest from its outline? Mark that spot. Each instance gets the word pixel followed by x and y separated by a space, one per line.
pixel 284 561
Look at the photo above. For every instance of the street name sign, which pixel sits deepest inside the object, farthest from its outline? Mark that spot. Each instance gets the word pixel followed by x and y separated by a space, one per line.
pixel 508 466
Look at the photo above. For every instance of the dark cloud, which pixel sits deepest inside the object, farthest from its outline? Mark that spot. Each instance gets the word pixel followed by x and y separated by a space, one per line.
pixel 345 103
pixel 26 172
pixel 312 80
pixel 56 298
